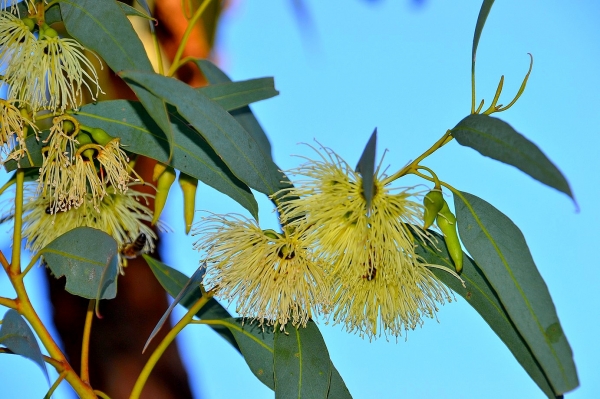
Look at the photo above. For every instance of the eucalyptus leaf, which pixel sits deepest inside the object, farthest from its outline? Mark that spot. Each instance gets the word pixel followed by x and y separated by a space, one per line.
pixel 483 298
pixel 224 134
pixel 500 250
pixel 243 115
pixel 337 386
pixel 88 259
pixel 52 15
pixel 486 6
pixel 366 168
pixel 496 139
pixel 34 148
pixel 235 95
pixel 192 284
pixel 191 154
pixel 301 363
pixel 173 282
pixel 16 335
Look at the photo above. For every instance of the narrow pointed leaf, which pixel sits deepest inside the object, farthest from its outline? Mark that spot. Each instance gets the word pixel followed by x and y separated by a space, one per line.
pixel 235 95
pixel 192 284
pixel 16 335
pixel 483 14
pixel 234 145
pixel 500 250
pixel 34 147
pixel 243 115
pixel 88 259
pixel 337 387
pixel 496 139
pixel 191 154
pixel 366 168
pixel 102 26
pixel 483 298
pixel 173 282
pixel 52 15
pixel 301 363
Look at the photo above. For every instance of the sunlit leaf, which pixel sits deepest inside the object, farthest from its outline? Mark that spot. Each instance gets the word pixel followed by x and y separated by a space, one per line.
pixel 16 335
pixel 496 139
pixel 301 363
pixel 366 168
pixel 483 298
pixel 173 282
pixel 500 250
pixel 191 154
pixel 224 134
pixel 88 259
pixel 192 284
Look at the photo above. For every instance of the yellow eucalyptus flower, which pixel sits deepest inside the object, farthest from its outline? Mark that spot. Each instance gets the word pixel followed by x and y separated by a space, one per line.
pixel 17 45
pixel 376 277
pixel 121 215
pixel 272 277
pixel 114 163
pixel 53 75
pixel 13 130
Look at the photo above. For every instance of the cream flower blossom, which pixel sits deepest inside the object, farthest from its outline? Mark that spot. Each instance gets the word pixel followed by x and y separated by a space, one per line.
pixel 14 127
pixel 57 66
pixel 122 216
pixel 17 45
pixel 273 277
pixel 379 285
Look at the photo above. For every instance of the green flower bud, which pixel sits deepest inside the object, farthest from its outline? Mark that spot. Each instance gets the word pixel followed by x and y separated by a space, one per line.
pixel 84 139
pixel 159 168
pixel 164 183
pixel 446 221
pixel 100 136
pixel 30 23
pixel 433 203
pixel 188 185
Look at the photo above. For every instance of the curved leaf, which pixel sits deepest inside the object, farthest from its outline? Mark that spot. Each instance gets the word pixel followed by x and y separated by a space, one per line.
pixel 500 250
pixel 191 154
pixel 16 335
pixel 496 139
pixel 483 298
pixel 88 259
pixel 481 18
pixel 301 363
pixel 173 282
pixel 234 145
pixel 128 10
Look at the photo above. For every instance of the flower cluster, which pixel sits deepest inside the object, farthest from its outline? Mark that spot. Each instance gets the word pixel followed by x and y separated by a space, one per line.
pixel 362 257
pixel 41 73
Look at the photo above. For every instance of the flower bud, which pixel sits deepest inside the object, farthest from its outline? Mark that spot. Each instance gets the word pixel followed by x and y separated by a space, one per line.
pixel 433 203
pixel 446 221
pixel 83 139
pixel 188 185
pixel 100 136
pixel 164 183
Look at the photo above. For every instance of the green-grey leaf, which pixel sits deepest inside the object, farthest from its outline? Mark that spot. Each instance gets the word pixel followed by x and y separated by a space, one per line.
pixel 337 387
pixel 301 363
pixel 500 250
pixel 191 154
pixel 496 139
pixel 128 10
pixel 88 259
pixel 244 115
pixel 52 15
pixel 192 284
pixel 173 282
pixel 483 14
pixel 34 148
pixel 234 95
pixel 366 168
pixel 234 145
pixel 256 345
pixel 16 335
pixel 482 297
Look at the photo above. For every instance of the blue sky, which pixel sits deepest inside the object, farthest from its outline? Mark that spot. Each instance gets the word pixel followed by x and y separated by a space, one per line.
pixel 405 69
